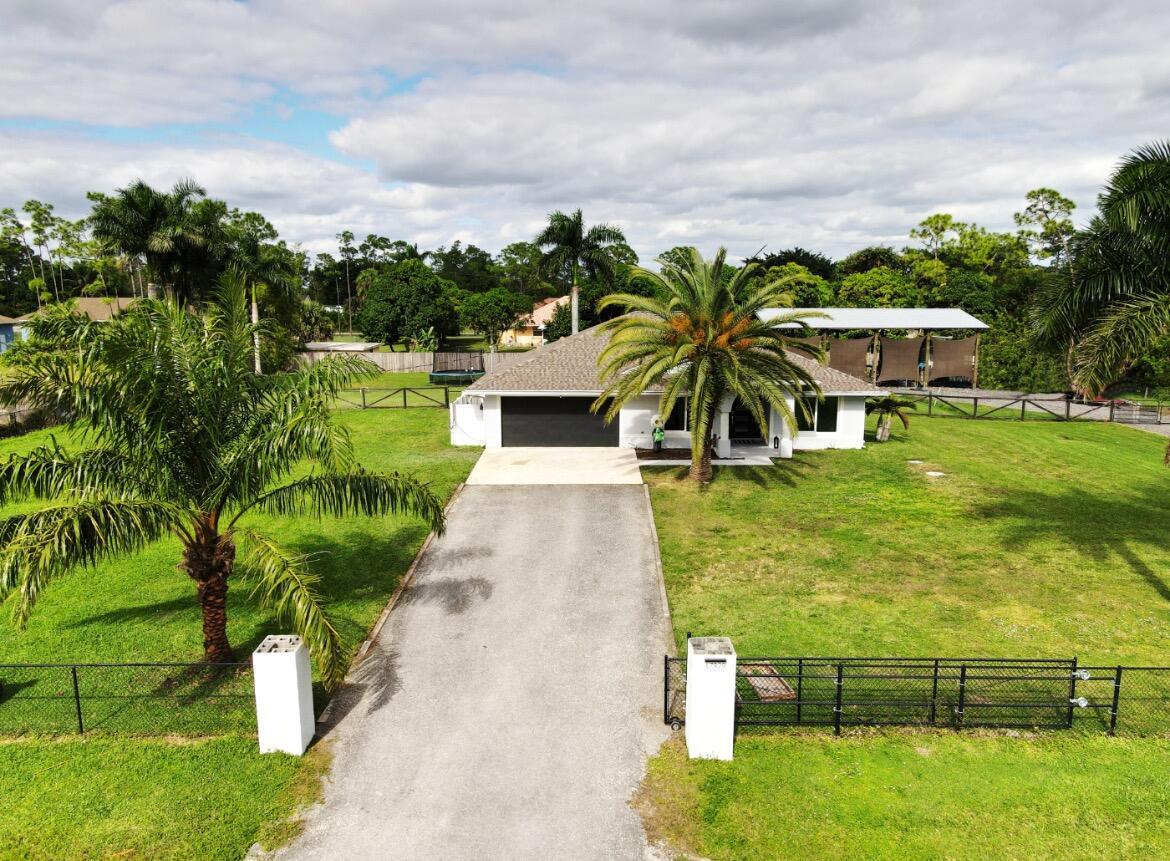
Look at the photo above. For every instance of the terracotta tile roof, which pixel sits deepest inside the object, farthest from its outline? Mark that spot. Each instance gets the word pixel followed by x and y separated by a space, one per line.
pixel 570 365
pixel 544 310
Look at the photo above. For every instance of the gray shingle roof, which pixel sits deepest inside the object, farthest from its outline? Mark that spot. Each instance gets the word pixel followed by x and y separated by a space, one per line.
pixel 570 365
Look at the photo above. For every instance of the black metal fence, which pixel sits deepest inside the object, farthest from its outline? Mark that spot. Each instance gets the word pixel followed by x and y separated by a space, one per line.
pixel 397 398
pixel 944 692
pixel 134 699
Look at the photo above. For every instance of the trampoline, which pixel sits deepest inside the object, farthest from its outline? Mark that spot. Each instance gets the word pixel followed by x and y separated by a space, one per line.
pixel 454 378
pixel 456 369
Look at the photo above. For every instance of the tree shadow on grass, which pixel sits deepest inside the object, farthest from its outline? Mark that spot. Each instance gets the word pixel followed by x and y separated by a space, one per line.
pixel 140 612
pixel 1093 524
pixel 356 565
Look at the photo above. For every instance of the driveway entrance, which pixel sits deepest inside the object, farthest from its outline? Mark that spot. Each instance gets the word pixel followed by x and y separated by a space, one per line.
pixel 517 465
pixel 514 695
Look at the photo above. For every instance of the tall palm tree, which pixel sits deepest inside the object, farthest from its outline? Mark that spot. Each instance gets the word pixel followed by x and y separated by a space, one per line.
pixel 181 437
pixel 571 247
pixel 179 234
pixel 1119 301
pixel 700 336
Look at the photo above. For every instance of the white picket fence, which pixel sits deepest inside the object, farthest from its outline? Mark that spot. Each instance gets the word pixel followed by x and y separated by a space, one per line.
pixel 404 362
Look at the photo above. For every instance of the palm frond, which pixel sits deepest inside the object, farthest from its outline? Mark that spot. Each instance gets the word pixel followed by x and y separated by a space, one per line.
pixel 362 493
pixel 37 548
pixel 288 590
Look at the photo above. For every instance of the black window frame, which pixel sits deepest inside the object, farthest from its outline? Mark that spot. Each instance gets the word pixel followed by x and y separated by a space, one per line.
pixel 677 420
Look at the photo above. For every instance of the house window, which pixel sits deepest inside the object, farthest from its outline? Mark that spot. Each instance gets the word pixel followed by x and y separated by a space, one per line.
pixel 822 416
pixel 677 420
pixel 806 422
pixel 827 416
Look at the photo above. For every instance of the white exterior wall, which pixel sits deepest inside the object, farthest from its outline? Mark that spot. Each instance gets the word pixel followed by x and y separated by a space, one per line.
pixel 636 420
pixel 475 420
pixel 492 412
pixel 850 431
pixel 467 421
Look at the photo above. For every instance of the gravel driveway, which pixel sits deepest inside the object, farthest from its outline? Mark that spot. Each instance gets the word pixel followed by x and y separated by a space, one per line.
pixel 515 693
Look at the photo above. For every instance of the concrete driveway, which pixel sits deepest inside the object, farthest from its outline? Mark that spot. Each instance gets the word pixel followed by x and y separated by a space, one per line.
pixel 555 465
pixel 512 699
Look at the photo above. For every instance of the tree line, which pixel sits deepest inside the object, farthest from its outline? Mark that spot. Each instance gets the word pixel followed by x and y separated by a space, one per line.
pixel 1067 308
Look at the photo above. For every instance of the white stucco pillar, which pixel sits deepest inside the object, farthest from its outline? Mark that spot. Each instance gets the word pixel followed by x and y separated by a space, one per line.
pixel 284 694
pixel 723 428
pixel 710 726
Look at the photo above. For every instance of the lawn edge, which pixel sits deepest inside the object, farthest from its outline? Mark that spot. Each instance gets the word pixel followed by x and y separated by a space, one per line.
pixel 668 624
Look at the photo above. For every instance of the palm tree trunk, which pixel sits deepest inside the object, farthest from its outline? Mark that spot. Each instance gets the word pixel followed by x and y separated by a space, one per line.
pixel 574 301
pixel 883 428
pixel 209 563
pixel 701 469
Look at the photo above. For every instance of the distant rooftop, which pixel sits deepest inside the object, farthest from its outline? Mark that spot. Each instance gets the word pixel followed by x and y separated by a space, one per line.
pixel 97 308
pixel 882 318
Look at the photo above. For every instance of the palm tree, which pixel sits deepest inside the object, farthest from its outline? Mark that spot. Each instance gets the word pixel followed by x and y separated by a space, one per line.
pixel 179 234
pixel 1119 302
pixel 572 248
pixel 700 336
pixel 183 438
pixel 887 409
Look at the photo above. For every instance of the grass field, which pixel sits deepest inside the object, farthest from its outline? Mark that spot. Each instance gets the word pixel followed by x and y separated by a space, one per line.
pixel 1042 539
pixel 98 797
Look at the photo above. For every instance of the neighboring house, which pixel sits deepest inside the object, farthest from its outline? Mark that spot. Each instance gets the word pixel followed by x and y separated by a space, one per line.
pixel 97 308
pixel 530 331
pixel 543 399
pixel 8 332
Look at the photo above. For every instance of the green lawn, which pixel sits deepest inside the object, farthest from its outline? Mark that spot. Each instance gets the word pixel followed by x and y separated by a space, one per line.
pixel 1042 539
pixel 149 799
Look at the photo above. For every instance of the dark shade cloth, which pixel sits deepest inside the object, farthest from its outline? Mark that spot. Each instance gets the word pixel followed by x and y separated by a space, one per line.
pixel 815 341
pixel 953 359
pixel 848 355
pixel 899 359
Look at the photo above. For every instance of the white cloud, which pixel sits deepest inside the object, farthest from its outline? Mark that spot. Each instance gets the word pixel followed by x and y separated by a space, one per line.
pixel 828 124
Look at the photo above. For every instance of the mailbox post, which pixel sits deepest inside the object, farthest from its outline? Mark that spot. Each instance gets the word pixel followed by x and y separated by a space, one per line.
pixel 710 726
pixel 284 694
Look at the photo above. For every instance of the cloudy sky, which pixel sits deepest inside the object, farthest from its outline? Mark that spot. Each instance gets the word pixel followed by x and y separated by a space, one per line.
pixel 831 124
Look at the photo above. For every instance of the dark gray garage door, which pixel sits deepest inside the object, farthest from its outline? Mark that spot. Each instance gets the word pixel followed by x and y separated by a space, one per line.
pixel 554 422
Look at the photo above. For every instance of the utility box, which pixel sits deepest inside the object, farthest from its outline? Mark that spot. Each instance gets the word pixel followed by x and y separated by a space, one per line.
pixel 710 727
pixel 284 694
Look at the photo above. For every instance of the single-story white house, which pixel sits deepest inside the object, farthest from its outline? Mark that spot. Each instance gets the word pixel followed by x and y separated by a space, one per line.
pixel 543 399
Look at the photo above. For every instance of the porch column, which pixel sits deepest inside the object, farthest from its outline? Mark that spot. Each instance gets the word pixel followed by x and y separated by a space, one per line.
pixel 723 429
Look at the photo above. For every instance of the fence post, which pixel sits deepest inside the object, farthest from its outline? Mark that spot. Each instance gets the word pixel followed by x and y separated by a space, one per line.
pixel 1067 409
pixel 975 409
pixel 666 688
pixel 363 397
pixel 930 403
pixel 283 683
pixel 77 699
pixel 1072 691
pixel 446 396
pixel 1111 408
pixel 962 696
pixel 799 688
pixel 934 695
pixel 837 704
pixel 1023 407
pixel 1116 701
pixel 404 397
pixel 711 708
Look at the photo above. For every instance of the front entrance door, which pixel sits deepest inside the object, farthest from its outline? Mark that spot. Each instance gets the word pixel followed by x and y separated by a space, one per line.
pixel 743 428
